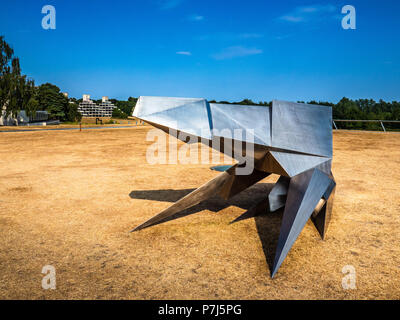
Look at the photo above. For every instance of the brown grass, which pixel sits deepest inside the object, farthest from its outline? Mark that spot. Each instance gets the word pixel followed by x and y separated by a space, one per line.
pixel 69 198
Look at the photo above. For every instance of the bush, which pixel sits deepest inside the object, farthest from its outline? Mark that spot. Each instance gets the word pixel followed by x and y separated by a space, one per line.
pixel 117 113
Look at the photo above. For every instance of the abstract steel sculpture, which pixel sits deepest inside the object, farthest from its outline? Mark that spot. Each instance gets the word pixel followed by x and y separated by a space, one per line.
pixel 292 140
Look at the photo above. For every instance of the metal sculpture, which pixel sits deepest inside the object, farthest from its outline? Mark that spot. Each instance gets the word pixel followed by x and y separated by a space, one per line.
pixel 292 140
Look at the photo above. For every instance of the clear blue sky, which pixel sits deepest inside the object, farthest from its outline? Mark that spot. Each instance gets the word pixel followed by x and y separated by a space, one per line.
pixel 263 50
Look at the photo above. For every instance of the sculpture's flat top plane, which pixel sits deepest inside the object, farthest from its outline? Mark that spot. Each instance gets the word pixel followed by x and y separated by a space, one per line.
pixel 296 127
pixel 293 140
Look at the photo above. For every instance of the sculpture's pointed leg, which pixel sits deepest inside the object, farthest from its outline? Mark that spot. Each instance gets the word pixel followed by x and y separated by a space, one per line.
pixel 322 217
pixel 305 191
pixel 278 194
pixel 226 185
pixel 204 192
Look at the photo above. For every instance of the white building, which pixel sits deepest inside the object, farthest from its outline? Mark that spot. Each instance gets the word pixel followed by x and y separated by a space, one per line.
pixel 88 108
pixel 22 118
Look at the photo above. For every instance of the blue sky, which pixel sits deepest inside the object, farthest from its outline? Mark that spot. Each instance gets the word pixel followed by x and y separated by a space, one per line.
pixel 225 50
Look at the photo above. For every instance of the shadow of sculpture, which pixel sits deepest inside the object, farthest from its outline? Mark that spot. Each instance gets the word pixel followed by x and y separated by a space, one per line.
pixel 253 200
pixel 268 229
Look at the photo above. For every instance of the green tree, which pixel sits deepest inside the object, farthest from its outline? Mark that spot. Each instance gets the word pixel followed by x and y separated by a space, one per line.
pixel 126 106
pixel 31 107
pixel 117 113
pixel 53 101
pixel 15 89
pixel 72 113
pixel 248 102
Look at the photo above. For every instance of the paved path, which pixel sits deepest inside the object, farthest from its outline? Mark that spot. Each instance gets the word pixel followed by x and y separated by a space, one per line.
pixel 55 129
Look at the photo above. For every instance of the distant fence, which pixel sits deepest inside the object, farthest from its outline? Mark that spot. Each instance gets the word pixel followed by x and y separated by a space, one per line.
pixel 368 124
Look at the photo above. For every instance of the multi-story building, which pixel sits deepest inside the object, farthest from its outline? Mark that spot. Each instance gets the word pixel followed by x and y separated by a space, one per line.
pixel 88 108
pixel 107 105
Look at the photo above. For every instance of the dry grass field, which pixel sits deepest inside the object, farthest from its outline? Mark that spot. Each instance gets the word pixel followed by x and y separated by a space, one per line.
pixel 69 198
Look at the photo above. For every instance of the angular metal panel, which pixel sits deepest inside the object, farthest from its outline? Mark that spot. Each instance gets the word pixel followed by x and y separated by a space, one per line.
pixel 178 134
pixel 301 127
pixel 323 217
pixel 326 168
pixel 182 118
pixel 294 164
pixel 221 168
pixel 148 105
pixel 231 117
pixel 305 191
pixel 277 196
pixel 270 164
